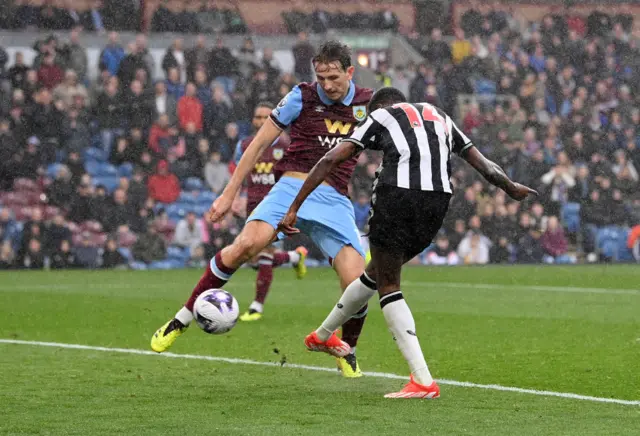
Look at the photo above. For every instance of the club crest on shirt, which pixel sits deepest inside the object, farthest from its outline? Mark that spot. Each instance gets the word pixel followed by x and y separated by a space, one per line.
pixel 278 153
pixel 359 112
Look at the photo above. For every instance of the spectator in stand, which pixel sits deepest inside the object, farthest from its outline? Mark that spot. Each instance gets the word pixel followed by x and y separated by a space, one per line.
pixel 33 257
pixel 303 52
pixel 128 66
pixel 63 257
pixel 197 57
pixel 560 182
pixel 163 186
pixel 138 106
pixel 190 109
pixel 160 136
pixel 112 55
pixel 222 65
pixel 175 88
pixel 554 243
pixel 438 52
pixel 60 191
pixel 17 74
pixel 188 233
pixel 460 47
pixel 119 212
pixel 27 163
pixel 111 257
pixel 7 256
pixel 227 144
pixel 216 173
pixel 122 153
pixel 87 255
pixel 203 88
pixel 442 253
pixel 500 252
pixel 165 104
pixel 217 114
pixel 361 209
pixel 110 113
pixel 77 55
pixel 623 165
pixel 175 58
pixel 50 75
pixel 75 133
pixel 474 249
pixel 82 205
pixel 473 119
pixel 149 247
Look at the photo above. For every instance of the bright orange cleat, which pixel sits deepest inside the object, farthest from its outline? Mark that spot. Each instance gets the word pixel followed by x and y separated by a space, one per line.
pixel 334 345
pixel 416 390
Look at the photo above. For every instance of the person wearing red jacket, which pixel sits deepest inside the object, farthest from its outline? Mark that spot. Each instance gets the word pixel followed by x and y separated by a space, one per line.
pixel 159 135
pixel 190 109
pixel 163 186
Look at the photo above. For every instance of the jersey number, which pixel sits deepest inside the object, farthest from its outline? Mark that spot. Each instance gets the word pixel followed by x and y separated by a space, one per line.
pixel 428 114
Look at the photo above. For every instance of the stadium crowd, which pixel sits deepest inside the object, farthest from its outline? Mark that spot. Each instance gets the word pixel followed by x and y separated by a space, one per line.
pixel 119 171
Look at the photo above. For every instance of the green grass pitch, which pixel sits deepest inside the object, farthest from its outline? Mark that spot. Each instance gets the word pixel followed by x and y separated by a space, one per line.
pixel 569 330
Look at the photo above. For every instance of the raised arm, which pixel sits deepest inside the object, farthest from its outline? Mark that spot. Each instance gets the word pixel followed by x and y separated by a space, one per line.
pixel 495 175
pixel 334 157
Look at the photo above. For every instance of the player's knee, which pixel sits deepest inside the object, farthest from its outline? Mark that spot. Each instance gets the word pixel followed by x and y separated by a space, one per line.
pixel 245 248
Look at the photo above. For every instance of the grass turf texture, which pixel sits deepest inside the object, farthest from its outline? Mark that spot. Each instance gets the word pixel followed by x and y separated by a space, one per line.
pixel 585 341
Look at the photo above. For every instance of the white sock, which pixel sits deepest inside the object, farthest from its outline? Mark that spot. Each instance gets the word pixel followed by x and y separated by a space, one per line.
pixel 357 294
pixel 184 315
pixel 403 327
pixel 258 307
pixel 294 257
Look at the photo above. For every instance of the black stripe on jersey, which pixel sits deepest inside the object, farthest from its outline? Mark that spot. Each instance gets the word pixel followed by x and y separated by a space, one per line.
pixel 434 149
pixel 390 159
pixel 412 142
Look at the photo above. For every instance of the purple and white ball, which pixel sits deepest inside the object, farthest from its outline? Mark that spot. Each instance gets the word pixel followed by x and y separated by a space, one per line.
pixel 216 311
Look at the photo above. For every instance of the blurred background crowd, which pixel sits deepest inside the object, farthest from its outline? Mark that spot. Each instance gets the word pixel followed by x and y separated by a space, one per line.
pixel 116 168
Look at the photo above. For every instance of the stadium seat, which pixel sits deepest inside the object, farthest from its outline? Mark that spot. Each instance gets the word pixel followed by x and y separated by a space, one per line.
pixel 187 197
pixel 127 239
pixel 25 185
pixel 125 170
pixel 136 265
pixel 109 182
pixel 200 210
pixel 609 240
pixel 206 197
pixel 571 217
pixel 106 169
pixel 51 211
pixel 624 253
pixel 90 226
pixel 22 213
pixel 94 154
pixel 193 184
pixel 178 253
pixel 14 199
pixel 126 253
pixel 92 167
pixel 165 264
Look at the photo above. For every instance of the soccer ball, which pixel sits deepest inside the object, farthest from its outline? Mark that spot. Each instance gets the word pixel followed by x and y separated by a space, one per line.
pixel 216 311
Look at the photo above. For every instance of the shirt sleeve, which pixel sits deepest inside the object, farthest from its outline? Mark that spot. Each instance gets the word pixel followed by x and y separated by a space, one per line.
pixel 366 134
pixel 288 109
pixel 460 141
pixel 238 153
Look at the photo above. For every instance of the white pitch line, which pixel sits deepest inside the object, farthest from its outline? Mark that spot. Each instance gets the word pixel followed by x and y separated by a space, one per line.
pixel 569 289
pixel 320 369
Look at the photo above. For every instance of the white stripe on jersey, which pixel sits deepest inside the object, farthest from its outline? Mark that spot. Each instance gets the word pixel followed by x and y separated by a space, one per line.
pixel 426 182
pixel 390 123
pixel 444 156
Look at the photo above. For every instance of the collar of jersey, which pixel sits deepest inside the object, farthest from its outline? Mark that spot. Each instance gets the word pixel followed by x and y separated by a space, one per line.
pixel 345 101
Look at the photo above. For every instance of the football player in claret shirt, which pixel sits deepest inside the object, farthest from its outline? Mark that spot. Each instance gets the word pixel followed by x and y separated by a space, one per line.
pixel 259 182
pixel 319 115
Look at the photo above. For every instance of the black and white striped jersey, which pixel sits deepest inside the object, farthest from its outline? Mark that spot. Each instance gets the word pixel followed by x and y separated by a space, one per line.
pixel 417 141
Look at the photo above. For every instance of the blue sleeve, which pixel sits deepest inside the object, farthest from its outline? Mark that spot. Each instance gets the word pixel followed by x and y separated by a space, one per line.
pixel 288 109
pixel 238 153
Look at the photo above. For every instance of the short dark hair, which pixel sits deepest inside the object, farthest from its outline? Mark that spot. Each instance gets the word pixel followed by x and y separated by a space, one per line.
pixel 266 104
pixel 386 97
pixel 333 51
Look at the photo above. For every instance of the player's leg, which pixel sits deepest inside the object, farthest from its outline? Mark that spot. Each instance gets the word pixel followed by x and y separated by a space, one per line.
pixel 253 238
pixel 401 323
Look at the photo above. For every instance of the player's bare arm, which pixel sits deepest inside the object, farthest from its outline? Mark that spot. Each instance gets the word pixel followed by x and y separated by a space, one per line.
pixel 267 134
pixel 334 157
pixel 496 175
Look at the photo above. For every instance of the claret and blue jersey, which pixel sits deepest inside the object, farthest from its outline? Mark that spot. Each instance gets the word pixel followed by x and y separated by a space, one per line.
pixel 316 124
